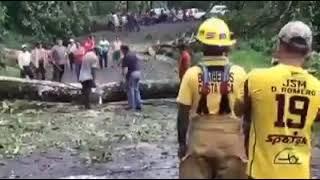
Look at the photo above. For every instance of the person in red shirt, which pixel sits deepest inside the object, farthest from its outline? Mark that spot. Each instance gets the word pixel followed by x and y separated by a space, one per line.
pixel 78 54
pixel 89 44
pixel 184 61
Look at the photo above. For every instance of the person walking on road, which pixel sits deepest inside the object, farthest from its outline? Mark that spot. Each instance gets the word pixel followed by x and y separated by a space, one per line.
pixel 90 43
pixel 116 52
pixel 24 62
pixel 70 50
pixel 38 55
pixel 116 22
pixel 59 60
pixel 131 72
pixel 103 52
pixel 79 53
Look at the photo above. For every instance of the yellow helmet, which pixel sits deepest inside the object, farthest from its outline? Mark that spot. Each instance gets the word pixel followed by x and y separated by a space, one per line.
pixel 215 32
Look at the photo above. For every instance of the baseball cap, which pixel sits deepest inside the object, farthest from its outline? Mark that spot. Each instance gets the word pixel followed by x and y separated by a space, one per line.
pixel 24 46
pixel 296 33
pixel 71 40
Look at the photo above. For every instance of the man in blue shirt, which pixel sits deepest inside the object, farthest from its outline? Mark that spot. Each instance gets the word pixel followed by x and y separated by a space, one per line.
pixel 132 73
pixel 103 52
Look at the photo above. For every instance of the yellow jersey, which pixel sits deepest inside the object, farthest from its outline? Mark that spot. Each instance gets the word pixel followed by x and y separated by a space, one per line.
pixel 284 104
pixel 192 82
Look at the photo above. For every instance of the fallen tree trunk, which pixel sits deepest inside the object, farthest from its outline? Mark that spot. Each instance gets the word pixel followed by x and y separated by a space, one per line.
pixel 150 89
pixel 17 88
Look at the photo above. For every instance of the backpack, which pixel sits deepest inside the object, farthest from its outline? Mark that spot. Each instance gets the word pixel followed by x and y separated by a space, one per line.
pixel 205 90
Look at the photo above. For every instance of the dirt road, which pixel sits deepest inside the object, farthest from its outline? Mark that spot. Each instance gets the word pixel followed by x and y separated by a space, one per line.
pixel 148 35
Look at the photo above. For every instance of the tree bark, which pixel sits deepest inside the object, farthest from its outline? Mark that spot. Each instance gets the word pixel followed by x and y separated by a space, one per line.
pixel 17 88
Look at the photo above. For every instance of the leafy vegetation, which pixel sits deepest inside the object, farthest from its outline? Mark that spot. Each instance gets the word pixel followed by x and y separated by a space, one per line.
pixel 90 134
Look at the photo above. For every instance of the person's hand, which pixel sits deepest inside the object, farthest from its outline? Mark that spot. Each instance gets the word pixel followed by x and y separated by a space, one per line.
pixel 182 151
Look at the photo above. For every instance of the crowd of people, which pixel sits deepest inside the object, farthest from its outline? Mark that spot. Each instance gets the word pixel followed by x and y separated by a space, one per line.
pixel 34 62
pixel 83 59
pixel 129 21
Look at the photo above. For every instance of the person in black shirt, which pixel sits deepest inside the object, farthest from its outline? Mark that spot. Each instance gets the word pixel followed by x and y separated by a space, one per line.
pixel 132 73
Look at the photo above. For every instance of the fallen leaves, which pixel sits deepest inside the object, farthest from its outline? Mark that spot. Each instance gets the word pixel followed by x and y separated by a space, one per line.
pixel 91 135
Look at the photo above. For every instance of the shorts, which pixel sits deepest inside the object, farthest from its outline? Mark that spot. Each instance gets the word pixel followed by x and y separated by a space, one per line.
pixel 116 56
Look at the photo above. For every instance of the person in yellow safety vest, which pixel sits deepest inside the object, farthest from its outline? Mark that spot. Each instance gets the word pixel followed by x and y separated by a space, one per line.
pixel 279 111
pixel 209 133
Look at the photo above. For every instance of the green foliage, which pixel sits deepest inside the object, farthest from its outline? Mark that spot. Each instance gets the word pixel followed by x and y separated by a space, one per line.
pixel 250 59
pixel 9 71
pixel 45 18
pixel 313 64
pixel 3 18
pixel 263 45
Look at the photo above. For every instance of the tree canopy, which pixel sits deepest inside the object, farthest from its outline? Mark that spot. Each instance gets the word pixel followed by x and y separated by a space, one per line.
pixel 48 19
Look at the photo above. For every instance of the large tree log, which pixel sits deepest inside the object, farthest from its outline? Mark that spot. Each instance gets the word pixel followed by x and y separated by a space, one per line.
pixel 17 88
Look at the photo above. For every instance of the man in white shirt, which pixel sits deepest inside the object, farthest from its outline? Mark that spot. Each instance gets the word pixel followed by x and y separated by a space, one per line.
pixel 24 61
pixel 180 15
pixel 38 59
pixel 87 75
pixel 124 22
pixel 116 21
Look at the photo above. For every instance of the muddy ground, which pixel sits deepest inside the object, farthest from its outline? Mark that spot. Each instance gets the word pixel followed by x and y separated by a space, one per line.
pixel 65 141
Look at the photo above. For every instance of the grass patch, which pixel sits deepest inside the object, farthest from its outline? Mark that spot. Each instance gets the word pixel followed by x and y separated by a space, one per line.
pixel 246 58
pixel 10 71
pixel 250 59
pixel 15 40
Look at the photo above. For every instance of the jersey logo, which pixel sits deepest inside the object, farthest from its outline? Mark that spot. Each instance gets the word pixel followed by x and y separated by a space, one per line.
pixel 287 156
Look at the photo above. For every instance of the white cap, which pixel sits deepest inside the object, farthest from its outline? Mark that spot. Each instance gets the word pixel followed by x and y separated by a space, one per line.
pixel 24 46
pixel 296 29
pixel 71 40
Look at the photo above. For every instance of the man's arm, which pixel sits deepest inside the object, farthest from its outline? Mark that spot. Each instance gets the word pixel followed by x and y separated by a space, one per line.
pixel 239 101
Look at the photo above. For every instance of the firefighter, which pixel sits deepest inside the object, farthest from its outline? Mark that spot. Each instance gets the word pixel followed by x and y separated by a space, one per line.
pixel 209 133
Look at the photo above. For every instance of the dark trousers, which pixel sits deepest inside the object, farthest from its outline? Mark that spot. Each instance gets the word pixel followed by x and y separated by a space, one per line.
pixel 78 68
pixel 58 71
pixel 41 71
pixel 26 71
pixel 130 26
pixel 86 91
pixel 136 26
pixel 103 59
pixel 71 59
